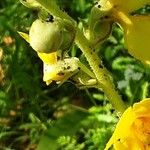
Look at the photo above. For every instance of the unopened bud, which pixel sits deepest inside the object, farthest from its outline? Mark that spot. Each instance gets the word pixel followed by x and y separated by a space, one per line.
pixel 44 36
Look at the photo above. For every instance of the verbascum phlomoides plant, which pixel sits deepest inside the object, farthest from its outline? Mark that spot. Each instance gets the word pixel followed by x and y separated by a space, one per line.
pixel 69 32
pixel 136 27
pixel 133 129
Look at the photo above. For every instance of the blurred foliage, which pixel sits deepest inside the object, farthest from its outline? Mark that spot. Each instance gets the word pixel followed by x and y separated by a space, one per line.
pixel 33 115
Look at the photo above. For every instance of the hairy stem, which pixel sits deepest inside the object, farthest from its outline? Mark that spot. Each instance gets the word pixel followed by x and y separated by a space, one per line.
pixel 53 9
pixel 100 72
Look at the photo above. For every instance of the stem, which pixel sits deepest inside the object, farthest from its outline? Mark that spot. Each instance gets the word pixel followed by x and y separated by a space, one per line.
pixel 100 72
pixel 53 9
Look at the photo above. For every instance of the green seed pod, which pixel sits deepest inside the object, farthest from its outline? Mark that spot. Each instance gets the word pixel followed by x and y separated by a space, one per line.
pixel 45 37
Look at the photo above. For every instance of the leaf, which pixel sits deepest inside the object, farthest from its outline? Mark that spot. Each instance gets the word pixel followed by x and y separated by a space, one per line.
pixel 121 63
pixel 7 134
pixel 67 125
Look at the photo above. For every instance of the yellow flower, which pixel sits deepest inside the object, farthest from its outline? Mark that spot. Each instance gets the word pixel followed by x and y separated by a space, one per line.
pixel 128 6
pixel 50 72
pixel 133 130
pixel 50 58
pixel 136 27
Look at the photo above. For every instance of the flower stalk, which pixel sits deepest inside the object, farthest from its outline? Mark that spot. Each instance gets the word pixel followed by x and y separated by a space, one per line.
pixel 100 72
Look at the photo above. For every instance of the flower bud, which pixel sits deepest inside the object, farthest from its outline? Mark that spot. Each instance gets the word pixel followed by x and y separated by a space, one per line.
pixel 45 37
pixel 100 23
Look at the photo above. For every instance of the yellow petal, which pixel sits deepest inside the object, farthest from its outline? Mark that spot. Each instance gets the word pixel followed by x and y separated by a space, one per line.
pixel 122 130
pixel 51 73
pixel 129 5
pixel 48 82
pixel 128 144
pixel 142 109
pixel 137 37
pixel 50 58
pixel 24 35
pixel 120 146
pixel 132 131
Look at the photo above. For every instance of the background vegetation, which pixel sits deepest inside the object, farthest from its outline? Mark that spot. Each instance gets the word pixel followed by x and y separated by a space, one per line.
pixel 36 116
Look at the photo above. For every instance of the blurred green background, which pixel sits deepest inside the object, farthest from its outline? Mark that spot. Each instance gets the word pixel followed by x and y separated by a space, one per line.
pixel 36 116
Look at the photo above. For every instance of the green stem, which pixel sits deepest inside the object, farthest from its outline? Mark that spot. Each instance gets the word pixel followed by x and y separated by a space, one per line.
pixel 100 72
pixel 53 9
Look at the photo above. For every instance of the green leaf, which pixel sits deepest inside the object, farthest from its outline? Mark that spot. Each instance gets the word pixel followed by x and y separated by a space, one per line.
pixel 67 125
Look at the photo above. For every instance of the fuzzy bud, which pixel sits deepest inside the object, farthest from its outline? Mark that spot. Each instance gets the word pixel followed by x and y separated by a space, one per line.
pixel 45 37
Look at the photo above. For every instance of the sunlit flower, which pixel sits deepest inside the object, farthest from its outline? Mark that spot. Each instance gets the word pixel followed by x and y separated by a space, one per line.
pixel 133 130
